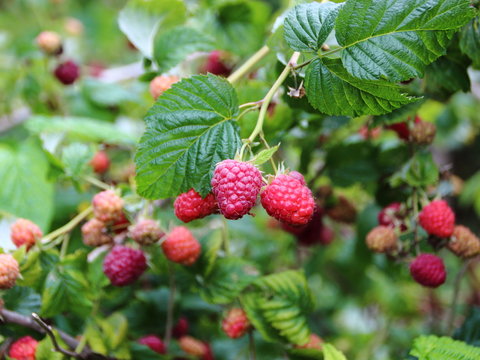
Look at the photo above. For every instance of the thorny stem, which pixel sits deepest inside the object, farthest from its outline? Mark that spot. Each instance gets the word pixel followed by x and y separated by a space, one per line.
pixel 170 306
pixel 266 101
pixel 68 226
pixel 455 294
pixel 248 65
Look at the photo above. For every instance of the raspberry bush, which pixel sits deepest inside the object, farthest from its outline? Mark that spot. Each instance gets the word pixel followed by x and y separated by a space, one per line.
pixel 241 179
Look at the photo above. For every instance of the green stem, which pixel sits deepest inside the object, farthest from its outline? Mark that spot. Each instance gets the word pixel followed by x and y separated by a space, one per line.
pixel 63 250
pixel 170 306
pixel 97 183
pixel 455 294
pixel 249 64
pixel 68 226
pixel 268 98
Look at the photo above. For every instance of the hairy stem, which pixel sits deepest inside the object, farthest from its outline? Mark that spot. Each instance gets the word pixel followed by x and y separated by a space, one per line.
pixel 248 65
pixel 68 226
pixel 455 294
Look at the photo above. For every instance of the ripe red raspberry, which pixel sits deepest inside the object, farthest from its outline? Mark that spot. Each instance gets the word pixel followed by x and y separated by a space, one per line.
pixel 216 65
pixel 393 215
pixel 298 176
pixel 428 270
pixel 191 206
pixel 315 342
pixel 160 84
pixel 67 73
pixel 25 232
pixel 49 42
pixel 95 233
pixel 154 343
pixel 288 201
pixel 193 346
pixel 464 243
pixel 124 265
pixel 9 271
pixel 146 232
pixel 381 239
pixel 100 162
pixel 437 218
pixel 181 246
pixel 181 328
pixel 236 185
pixel 236 323
pixel 107 206
pixel 23 349
pixel 311 234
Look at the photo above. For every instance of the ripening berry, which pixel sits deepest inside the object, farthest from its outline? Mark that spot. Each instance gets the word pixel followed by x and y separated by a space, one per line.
pixel 49 42
pixel 236 185
pixel 463 242
pixel 193 346
pixel 23 349
pixel 162 83
pixel 423 133
pixel 73 27
pixel 181 328
pixel 191 206
pixel 216 64
pixel 235 324
pixel 100 162
pixel 428 270
pixel 146 232
pixel 95 233
pixel 315 342
pixel 9 271
pixel 343 211
pixel 393 215
pixel 154 343
pixel 67 73
pixel 437 218
pixel 25 232
pixel 181 246
pixel 107 206
pixel 403 128
pixel 381 239
pixel 124 265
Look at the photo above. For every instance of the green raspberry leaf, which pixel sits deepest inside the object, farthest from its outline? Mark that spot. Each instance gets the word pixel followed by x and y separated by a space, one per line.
pixel 470 41
pixel 189 130
pixel 333 91
pixel 307 26
pixel 395 40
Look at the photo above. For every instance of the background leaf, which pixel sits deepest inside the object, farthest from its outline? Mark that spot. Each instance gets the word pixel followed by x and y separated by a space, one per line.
pixel 470 41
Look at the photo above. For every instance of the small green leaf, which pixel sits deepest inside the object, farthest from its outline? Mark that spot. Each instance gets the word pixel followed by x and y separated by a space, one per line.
pixel 76 158
pixel 140 20
pixel 23 300
pixel 440 348
pixel 95 338
pixel 421 170
pixel 45 350
pixel 172 46
pixel 264 156
pixel 30 269
pixel 331 353
pixel 307 26
pixel 333 91
pixel 189 130
pixel 470 41
pixel 106 94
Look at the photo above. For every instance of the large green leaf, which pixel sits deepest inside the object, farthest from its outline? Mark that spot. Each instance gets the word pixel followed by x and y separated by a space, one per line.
pixel 189 130
pixel 172 46
pixel 333 91
pixel 25 190
pixel 307 26
pixel 441 348
pixel 396 39
pixel 470 41
pixel 141 19
pixel 84 129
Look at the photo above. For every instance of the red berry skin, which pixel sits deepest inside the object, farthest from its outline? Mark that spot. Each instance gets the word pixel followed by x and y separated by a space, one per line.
pixel 181 328
pixel 236 186
pixel 124 265
pixel 67 73
pixel 100 162
pixel 154 343
pixel 215 65
pixel 181 246
pixel 392 215
pixel 25 232
pixel 298 176
pixel 437 218
pixel 23 349
pixel 191 206
pixel 428 270
pixel 288 201
pixel 235 324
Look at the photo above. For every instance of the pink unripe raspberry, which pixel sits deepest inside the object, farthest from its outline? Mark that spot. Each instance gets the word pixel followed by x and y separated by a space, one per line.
pixel 49 42
pixel 67 73
pixel 154 343
pixel 236 185
pixel 107 206
pixel 381 239
pixel 162 83
pixel 181 246
pixel 9 271
pixel 73 26
pixel 428 270
pixel 95 233
pixel 236 323
pixel 464 243
pixel 25 232
pixel 124 265
pixel 100 162
pixel 146 232
pixel 288 201
pixel 437 218
pixel 193 346
pixel 23 349
pixel 315 342
pixel 191 206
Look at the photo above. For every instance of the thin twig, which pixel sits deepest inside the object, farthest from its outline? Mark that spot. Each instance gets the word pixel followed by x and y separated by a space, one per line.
pixel 455 294
pixel 68 226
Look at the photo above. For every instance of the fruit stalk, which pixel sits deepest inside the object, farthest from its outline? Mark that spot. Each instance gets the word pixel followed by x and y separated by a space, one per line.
pixel 249 64
pixel 68 226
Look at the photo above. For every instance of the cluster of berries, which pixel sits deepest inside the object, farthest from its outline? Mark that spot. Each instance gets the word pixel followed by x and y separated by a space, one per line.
pixel 236 186
pixel 438 220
